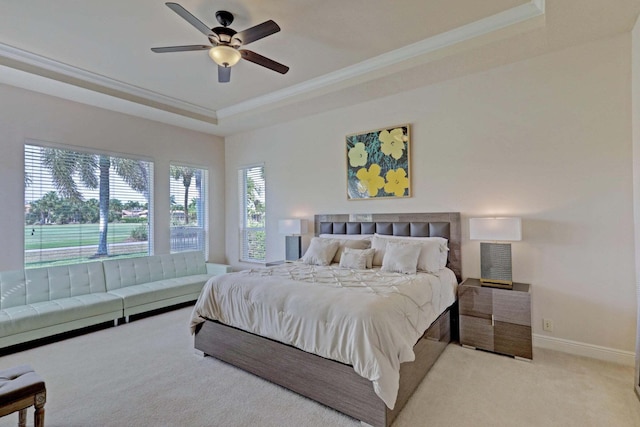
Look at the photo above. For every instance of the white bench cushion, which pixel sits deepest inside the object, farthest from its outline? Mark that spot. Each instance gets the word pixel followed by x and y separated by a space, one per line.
pixel 14 320
pixel 146 293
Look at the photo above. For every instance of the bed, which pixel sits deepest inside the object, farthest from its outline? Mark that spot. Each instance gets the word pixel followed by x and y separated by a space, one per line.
pixel 378 391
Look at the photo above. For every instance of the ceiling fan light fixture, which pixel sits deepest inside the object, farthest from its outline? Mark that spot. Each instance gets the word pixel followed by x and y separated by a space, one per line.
pixel 227 42
pixel 225 56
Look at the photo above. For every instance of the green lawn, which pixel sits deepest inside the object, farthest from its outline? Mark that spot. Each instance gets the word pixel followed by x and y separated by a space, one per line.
pixel 77 260
pixel 61 236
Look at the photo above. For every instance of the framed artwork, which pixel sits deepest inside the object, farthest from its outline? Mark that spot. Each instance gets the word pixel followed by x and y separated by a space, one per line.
pixel 378 163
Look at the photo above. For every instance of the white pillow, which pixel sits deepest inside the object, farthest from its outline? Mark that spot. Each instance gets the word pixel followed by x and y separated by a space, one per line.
pixel 378 244
pixel 368 253
pixel 347 243
pixel 433 256
pixel 354 258
pixel 430 259
pixel 320 251
pixel 401 257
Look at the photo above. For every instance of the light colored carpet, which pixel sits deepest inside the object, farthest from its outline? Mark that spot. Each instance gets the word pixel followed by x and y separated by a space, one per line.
pixel 145 373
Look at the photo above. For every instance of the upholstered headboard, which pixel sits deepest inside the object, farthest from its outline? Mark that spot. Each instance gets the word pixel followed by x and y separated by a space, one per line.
pixel 445 224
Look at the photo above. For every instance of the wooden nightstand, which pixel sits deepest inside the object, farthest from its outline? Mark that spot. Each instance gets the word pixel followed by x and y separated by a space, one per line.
pixel 494 319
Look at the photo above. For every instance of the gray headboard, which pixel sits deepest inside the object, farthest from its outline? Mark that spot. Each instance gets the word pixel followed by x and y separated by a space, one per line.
pixel 441 224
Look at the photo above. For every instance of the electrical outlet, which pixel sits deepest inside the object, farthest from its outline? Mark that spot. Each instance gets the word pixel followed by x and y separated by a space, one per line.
pixel 547 325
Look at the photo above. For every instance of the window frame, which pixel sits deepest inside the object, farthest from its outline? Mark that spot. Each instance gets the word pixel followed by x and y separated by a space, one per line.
pixel 204 194
pixel 46 185
pixel 243 218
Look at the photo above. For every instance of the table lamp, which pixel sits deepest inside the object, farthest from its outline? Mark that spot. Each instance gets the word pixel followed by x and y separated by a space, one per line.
pixel 293 230
pixel 495 258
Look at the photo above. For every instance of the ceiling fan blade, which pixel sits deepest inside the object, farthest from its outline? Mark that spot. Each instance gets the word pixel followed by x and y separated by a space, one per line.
pixel 180 48
pixel 256 33
pixel 224 74
pixel 264 61
pixel 187 16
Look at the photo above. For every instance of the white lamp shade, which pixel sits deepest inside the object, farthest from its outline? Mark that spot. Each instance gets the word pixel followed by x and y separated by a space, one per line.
pixel 500 229
pixel 292 226
pixel 225 56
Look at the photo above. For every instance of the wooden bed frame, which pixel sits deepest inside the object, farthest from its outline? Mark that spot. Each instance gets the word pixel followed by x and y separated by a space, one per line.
pixel 333 383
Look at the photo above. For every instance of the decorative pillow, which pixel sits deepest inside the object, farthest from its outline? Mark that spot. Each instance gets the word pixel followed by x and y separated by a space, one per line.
pixel 433 256
pixel 378 244
pixel 368 253
pixel 347 243
pixel 430 258
pixel 320 251
pixel 401 257
pixel 353 258
pixel 444 249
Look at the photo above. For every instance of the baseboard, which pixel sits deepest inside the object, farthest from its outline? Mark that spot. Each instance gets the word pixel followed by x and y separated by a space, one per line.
pixel 623 357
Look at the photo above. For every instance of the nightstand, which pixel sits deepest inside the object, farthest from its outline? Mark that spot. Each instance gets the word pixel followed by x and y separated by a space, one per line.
pixel 494 319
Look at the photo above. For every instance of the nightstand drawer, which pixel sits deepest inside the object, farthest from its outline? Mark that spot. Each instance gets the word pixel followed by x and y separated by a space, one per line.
pixel 476 332
pixel 512 307
pixel 513 339
pixel 475 301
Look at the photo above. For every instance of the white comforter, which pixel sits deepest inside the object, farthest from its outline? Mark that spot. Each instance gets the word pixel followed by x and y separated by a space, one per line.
pixel 369 319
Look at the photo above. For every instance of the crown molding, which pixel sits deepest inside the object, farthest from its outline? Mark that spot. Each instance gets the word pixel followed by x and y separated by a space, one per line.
pixel 49 68
pixel 515 15
pixel 36 83
pixel 54 70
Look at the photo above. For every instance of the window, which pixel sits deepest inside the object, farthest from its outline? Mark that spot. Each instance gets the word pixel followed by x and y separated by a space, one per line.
pixel 82 205
pixel 189 213
pixel 252 191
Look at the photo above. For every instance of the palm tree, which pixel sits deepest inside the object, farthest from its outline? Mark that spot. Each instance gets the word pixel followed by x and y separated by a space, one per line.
pixel 186 174
pixel 93 171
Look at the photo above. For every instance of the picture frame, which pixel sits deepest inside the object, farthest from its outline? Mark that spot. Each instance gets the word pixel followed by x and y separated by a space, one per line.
pixel 378 163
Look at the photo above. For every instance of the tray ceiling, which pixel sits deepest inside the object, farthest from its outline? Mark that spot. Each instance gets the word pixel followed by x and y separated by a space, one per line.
pixel 339 52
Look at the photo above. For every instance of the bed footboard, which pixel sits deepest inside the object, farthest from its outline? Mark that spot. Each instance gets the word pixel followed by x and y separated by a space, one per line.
pixel 326 381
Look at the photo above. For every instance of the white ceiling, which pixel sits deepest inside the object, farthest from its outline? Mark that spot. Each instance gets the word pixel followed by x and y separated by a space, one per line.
pixel 340 52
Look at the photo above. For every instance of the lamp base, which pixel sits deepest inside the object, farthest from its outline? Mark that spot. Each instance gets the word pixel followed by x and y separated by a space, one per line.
pixel 293 248
pixel 495 284
pixel 495 265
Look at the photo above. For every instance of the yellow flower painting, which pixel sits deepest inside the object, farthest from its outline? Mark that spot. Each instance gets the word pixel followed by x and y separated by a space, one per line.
pixel 392 143
pixel 378 163
pixel 358 155
pixel 397 182
pixel 370 180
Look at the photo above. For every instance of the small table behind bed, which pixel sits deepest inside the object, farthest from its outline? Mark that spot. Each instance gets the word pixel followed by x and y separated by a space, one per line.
pixel 333 383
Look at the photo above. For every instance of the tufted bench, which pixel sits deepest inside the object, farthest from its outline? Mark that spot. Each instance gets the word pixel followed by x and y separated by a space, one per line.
pixel 151 282
pixel 41 302
pixel 21 387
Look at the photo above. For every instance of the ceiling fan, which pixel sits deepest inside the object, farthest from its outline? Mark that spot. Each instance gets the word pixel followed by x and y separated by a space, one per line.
pixel 226 42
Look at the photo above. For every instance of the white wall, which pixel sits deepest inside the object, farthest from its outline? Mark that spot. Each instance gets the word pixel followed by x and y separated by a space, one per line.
pixel 29 115
pixel 547 139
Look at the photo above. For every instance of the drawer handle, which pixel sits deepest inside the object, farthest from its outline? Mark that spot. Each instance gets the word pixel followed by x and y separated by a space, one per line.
pixel 493 321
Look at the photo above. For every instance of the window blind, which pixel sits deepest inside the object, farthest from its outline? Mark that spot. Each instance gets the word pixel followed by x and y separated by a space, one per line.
pixel 188 205
pixel 81 205
pixel 252 197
